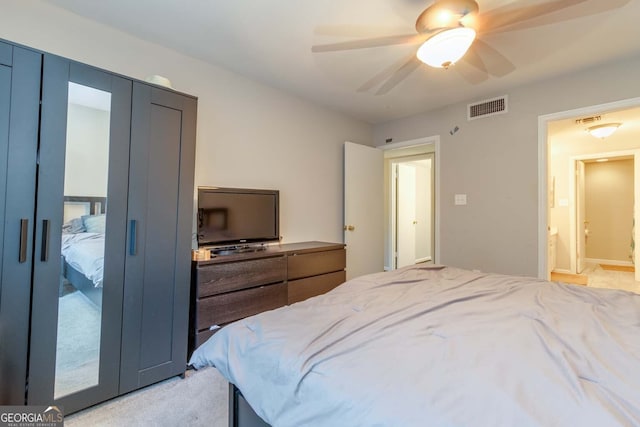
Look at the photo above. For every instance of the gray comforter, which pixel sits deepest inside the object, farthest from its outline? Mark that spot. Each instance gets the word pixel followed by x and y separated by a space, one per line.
pixel 434 346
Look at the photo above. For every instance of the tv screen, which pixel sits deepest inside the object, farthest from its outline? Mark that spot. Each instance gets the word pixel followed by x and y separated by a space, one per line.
pixel 233 216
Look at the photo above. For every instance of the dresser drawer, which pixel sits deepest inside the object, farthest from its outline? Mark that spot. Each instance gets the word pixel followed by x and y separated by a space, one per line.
pixel 225 308
pixel 314 263
pixel 301 289
pixel 226 277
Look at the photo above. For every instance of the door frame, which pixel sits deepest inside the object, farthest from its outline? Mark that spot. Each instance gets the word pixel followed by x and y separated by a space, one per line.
pixel 419 146
pixel 543 169
pixel 392 164
pixel 573 209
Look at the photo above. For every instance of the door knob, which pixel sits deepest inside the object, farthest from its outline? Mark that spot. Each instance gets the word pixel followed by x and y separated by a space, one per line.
pixel 349 228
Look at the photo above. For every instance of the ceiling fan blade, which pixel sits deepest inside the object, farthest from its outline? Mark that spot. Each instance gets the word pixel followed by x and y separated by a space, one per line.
pixel 471 67
pixel 472 58
pixel 506 16
pixel 384 74
pixel 352 30
pixel 469 73
pixel 591 8
pixel 402 73
pixel 497 64
pixel 367 43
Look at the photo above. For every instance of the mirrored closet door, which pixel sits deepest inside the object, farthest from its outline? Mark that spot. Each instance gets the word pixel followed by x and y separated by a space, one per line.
pixel 80 233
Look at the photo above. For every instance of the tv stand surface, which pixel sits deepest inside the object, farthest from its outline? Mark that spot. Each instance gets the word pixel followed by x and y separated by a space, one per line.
pixel 229 287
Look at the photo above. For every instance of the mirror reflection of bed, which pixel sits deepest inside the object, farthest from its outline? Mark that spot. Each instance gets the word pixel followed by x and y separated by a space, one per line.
pixel 80 298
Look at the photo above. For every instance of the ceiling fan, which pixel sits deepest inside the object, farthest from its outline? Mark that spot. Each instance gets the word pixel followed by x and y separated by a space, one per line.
pixel 451 32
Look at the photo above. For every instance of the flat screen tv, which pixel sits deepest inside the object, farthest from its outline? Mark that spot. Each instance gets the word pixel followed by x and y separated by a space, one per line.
pixel 232 216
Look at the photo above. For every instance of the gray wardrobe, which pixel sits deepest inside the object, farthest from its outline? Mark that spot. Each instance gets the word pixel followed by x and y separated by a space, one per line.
pixel 96 200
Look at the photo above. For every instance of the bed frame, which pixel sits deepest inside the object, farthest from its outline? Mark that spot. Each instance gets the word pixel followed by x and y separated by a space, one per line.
pixel 240 413
pixel 81 283
pixel 97 205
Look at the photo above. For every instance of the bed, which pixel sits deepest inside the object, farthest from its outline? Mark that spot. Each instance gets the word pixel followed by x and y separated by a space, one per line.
pixel 439 346
pixel 83 239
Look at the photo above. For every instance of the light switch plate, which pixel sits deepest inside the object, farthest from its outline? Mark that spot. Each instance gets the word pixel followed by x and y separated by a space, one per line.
pixel 460 199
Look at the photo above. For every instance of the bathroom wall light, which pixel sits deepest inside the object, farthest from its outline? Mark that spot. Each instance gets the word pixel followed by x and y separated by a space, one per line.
pixel 604 130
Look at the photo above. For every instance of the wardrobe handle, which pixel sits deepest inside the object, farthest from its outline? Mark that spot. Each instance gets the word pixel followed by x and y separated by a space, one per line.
pixel 24 230
pixel 44 256
pixel 132 237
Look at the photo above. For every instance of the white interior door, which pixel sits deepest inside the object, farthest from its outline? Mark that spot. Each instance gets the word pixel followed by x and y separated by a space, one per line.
pixel 406 206
pixel 424 210
pixel 363 209
pixel 581 225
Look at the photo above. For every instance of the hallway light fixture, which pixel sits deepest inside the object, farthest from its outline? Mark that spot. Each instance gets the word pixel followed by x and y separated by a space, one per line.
pixel 604 130
pixel 446 47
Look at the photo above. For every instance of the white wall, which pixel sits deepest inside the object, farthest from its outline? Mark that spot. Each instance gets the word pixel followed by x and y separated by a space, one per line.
pixel 495 162
pixel 249 135
pixel 87 152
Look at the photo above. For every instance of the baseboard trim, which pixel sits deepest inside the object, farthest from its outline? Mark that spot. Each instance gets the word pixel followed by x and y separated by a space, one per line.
pixel 576 279
pixel 562 271
pixel 609 262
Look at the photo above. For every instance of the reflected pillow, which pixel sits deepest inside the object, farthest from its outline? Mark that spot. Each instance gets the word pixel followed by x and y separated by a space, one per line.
pixel 76 225
pixel 95 223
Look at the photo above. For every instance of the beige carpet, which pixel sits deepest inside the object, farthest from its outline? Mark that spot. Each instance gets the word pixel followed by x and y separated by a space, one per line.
pixel 78 344
pixel 201 399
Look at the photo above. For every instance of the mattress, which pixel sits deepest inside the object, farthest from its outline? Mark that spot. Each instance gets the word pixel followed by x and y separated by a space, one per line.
pixel 433 345
pixel 85 253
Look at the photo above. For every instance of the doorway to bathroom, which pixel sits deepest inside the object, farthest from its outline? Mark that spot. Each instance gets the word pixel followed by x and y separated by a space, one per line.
pixel 602 210
pixel 591 193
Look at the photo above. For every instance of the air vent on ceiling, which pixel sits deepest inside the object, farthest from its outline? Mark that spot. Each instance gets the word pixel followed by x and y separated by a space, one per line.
pixel 488 107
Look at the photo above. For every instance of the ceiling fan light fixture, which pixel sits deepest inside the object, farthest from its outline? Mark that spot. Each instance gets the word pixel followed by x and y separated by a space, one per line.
pixel 604 130
pixel 446 47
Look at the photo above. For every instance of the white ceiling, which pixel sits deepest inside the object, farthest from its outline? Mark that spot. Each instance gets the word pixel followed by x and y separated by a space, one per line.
pixel 270 41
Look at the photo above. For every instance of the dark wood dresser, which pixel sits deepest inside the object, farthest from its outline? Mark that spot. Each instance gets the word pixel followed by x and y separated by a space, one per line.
pixel 230 287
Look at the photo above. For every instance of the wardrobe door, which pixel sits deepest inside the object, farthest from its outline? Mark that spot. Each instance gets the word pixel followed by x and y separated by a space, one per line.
pixel 156 295
pixel 78 270
pixel 19 113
